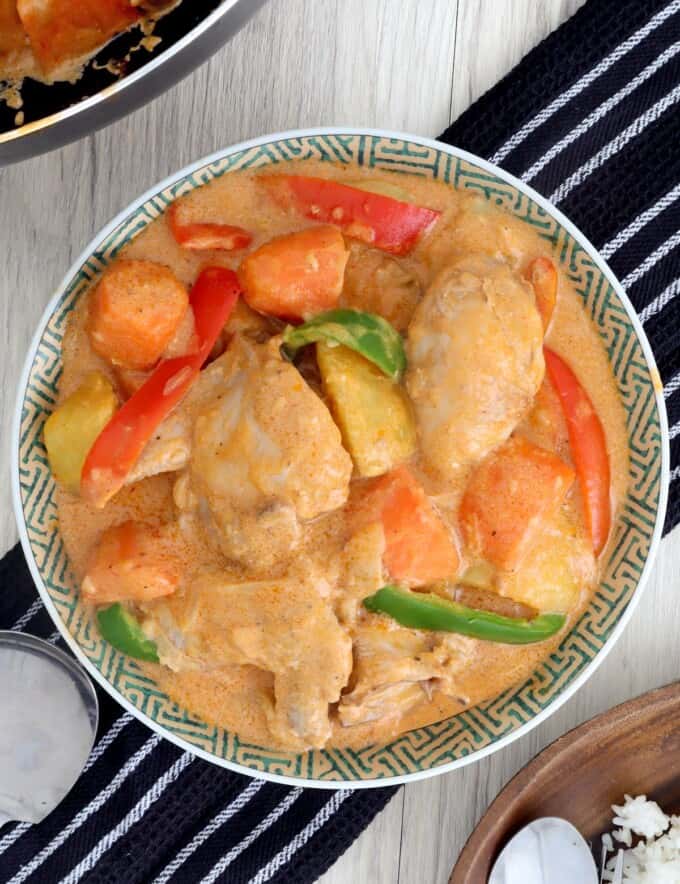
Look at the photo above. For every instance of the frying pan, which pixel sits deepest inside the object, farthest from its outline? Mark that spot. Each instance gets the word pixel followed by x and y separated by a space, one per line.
pixel 61 112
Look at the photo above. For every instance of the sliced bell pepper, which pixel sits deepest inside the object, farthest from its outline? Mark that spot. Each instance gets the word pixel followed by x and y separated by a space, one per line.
pixel 121 629
pixel 205 235
pixel 368 334
pixel 588 448
pixel 380 221
pixel 426 610
pixel 542 274
pixel 122 440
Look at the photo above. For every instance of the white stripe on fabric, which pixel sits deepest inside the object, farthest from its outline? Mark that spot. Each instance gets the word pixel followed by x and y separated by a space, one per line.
pixel 585 81
pixel 84 813
pixel 130 819
pixel 674 431
pixel 675 473
pixel 615 145
pixel 661 300
pixel 28 615
pixel 601 111
pixel 225 814
pixel 652 259
pixel 641 221
pixel 671 386
pixel 261 827
pixel 285 854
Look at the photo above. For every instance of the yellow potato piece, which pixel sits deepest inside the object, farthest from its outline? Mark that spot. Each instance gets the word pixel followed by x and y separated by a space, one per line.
pixel 373 412
pixel 72 428
pixel 555 572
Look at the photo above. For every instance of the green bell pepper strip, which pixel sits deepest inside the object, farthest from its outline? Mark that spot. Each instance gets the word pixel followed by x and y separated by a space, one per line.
pixel 370 335
pixel 425 610
pixel 121 629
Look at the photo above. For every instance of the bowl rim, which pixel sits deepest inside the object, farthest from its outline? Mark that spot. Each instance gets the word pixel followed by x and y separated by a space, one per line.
pixel 593 254
pixel 126 82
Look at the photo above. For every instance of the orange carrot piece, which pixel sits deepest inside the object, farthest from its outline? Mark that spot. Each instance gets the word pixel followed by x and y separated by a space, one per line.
pixel 542 274
pixel 418 546
pixel 132 562
pixel 588 448
pixel 297 275
pixel 60 30
pixel 135 311
pixel 206 235
pixel 508 499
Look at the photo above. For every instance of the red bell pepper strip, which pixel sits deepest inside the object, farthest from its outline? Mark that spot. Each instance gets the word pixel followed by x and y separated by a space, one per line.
pixel 122 440
pixel 380 221
pixel 200 236
pixel 588 448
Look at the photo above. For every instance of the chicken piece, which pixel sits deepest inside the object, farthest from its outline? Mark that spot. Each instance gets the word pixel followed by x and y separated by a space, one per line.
pixel 475 361
pixel 287 628
pixel 12 34
pixel 396 668
pixel 63 30
pixel 379 283
pixel 266 455
pixel 362 571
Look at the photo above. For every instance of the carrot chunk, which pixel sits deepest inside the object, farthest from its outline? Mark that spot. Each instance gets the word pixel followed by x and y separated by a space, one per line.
pixel 60 30
pixel 419 547
pixel 135 311
pixel 509 497
pixel 297 275
pixel 542 274
pixel 132 562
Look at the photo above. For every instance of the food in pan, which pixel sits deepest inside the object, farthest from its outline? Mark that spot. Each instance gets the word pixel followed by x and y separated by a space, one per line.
pixel 51 40
pixel 337 453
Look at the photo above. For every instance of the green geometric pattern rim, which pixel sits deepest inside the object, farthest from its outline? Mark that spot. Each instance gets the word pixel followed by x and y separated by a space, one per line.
pixel 473 730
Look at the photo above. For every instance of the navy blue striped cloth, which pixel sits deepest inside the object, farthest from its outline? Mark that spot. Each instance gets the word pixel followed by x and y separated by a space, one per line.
pixel 590 119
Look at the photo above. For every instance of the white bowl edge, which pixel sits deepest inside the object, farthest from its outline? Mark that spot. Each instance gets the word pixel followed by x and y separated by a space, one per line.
pixel 588 670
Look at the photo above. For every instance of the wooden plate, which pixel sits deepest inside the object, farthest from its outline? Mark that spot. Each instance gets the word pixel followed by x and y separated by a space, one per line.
pixel 634 748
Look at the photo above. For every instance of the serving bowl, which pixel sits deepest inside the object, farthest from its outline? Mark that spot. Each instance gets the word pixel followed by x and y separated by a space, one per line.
pixel 480 730
pixel 120 78
pixel 581 775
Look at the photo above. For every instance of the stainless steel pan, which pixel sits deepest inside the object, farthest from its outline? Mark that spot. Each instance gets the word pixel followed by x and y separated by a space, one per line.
pixel 55 114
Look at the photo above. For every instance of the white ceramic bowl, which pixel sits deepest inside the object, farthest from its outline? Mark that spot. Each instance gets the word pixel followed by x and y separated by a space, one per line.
pixel 478 731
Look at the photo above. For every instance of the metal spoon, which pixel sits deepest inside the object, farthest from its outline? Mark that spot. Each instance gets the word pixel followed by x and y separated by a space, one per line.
pixel 48 721
pixel 547 851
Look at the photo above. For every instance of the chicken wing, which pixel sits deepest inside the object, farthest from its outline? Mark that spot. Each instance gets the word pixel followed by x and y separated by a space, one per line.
pixel 287 628
pixel 475 361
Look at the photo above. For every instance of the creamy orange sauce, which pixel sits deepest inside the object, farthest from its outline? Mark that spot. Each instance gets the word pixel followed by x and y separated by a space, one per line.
pixel 235 695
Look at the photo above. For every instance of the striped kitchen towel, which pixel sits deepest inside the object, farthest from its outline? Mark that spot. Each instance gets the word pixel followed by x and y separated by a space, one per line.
pixel 590 119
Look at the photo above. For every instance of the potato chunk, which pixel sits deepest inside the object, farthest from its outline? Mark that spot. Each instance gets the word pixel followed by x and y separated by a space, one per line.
pixel 71 429
pixel 372 411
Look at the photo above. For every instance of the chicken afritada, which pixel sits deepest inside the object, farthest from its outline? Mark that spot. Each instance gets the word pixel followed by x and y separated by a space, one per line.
pixel 338 452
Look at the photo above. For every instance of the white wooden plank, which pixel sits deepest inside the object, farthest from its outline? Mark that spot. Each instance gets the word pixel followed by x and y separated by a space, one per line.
pixel 493 35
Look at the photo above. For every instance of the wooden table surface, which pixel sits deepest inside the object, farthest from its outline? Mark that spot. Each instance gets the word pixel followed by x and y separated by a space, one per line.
pixel 411 65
